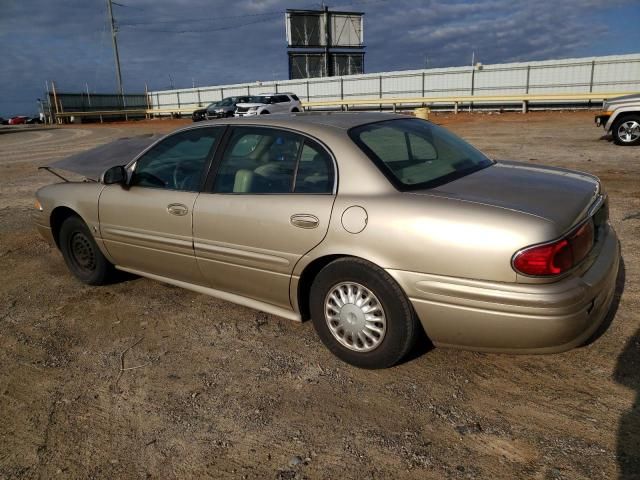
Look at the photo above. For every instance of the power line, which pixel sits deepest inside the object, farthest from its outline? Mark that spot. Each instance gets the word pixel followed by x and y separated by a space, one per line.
pixel 216 29
pixel 199 19
pixel 127 6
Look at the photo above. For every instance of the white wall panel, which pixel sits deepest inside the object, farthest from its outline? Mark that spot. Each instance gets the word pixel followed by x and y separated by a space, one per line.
pixel 615 73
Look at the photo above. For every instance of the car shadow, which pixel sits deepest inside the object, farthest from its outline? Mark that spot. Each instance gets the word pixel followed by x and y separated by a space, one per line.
pixel 120 276
pixel 627 373
pixel 421 346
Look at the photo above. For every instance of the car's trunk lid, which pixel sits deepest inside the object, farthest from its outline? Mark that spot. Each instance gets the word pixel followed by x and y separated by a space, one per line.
pixel 560 196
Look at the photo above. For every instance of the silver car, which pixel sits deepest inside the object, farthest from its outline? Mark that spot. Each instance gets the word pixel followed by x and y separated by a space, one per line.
pixel 373 225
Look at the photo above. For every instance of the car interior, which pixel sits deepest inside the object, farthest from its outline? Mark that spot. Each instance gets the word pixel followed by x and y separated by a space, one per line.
pixel 266 163
pixel 255 161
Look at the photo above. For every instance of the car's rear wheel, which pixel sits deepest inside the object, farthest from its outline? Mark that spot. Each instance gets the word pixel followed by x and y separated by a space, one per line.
pixel 626 130
pixel 82 255
pixel 361 314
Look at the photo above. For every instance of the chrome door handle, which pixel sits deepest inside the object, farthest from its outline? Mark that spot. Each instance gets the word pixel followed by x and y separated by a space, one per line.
pixel 177 209
pixel 304 220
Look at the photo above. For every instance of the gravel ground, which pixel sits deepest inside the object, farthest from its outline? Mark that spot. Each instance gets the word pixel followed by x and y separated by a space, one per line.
pixel 214 390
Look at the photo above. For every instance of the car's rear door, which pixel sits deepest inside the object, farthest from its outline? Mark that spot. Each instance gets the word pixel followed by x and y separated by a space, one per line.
pixel 148 225
pixel 282 103
pixel 269 203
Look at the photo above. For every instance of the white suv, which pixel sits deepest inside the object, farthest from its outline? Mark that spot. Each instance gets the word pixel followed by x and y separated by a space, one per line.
pixel 269 103
pixel 621 117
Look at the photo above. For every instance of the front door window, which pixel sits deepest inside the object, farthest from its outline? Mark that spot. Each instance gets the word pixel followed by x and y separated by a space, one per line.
pixel 177 162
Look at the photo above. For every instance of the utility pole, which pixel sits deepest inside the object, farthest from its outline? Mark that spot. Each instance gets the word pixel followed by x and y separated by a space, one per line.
pixel 114 29
pixel 327 42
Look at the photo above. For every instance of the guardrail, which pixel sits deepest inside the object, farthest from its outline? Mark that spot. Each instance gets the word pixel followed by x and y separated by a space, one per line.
pixel 104 113
pixel 457 101
pixel 394 102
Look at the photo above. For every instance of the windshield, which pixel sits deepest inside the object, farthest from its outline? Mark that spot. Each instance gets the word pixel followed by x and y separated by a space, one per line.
pixel 416 154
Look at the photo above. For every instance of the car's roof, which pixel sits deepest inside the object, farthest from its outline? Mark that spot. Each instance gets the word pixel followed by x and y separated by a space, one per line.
pixel 336 120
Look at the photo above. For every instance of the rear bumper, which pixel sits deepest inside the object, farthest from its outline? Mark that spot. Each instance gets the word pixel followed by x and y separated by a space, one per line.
pixel 511 317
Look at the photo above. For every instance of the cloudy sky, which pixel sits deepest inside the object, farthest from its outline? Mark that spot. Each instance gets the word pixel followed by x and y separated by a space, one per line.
pixel 209 42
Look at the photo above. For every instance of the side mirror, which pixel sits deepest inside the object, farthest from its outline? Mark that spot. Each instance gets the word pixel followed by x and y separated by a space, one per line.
pixel 113 175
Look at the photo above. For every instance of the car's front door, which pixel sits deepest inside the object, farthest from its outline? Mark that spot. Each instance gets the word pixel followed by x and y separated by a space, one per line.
pixel 148 225
pixel 269 203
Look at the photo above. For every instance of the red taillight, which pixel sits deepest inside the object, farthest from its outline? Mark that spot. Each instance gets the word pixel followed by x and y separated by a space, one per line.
pixel 556 257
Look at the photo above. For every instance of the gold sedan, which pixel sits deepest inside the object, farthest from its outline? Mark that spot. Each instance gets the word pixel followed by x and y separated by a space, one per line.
pixel 373 225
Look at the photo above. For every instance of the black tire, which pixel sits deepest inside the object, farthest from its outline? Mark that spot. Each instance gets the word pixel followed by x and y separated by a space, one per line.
pixel 401 323
pixel 264 112
pixel 618 124
pixel 81 254
pixel 295 110
pixel 229 114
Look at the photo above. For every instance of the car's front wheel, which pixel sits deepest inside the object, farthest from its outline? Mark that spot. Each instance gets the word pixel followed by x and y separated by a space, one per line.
pixel 82 255
pixel 626 130
pixel 361 314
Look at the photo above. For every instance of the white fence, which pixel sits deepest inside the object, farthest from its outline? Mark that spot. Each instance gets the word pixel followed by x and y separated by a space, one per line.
pixel 610 74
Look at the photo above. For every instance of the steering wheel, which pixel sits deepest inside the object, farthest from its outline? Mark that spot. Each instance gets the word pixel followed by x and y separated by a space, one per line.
pixel 185 176
pixel 181 176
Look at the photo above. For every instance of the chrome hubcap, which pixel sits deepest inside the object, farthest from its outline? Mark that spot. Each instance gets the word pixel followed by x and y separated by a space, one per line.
pixel 355 316
pixel 629 131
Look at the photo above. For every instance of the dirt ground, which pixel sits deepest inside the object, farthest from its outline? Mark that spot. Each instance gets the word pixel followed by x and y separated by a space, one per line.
pixel 214 390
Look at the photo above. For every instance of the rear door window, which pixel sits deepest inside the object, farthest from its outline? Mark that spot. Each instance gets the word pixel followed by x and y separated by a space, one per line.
pixel 258 160
pixel 315 170
pixel 266 160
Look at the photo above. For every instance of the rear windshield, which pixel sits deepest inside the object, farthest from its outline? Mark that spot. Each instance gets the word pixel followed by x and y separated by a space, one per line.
pixel 416 154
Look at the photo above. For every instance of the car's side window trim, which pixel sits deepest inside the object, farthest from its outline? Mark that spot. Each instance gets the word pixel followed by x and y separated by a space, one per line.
pixel 224 143
pixel 215 148
pixel 212 155
pixel 297 165
pixel 216 159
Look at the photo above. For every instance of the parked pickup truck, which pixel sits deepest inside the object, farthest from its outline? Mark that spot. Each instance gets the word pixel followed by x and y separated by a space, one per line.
pixel 621 117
